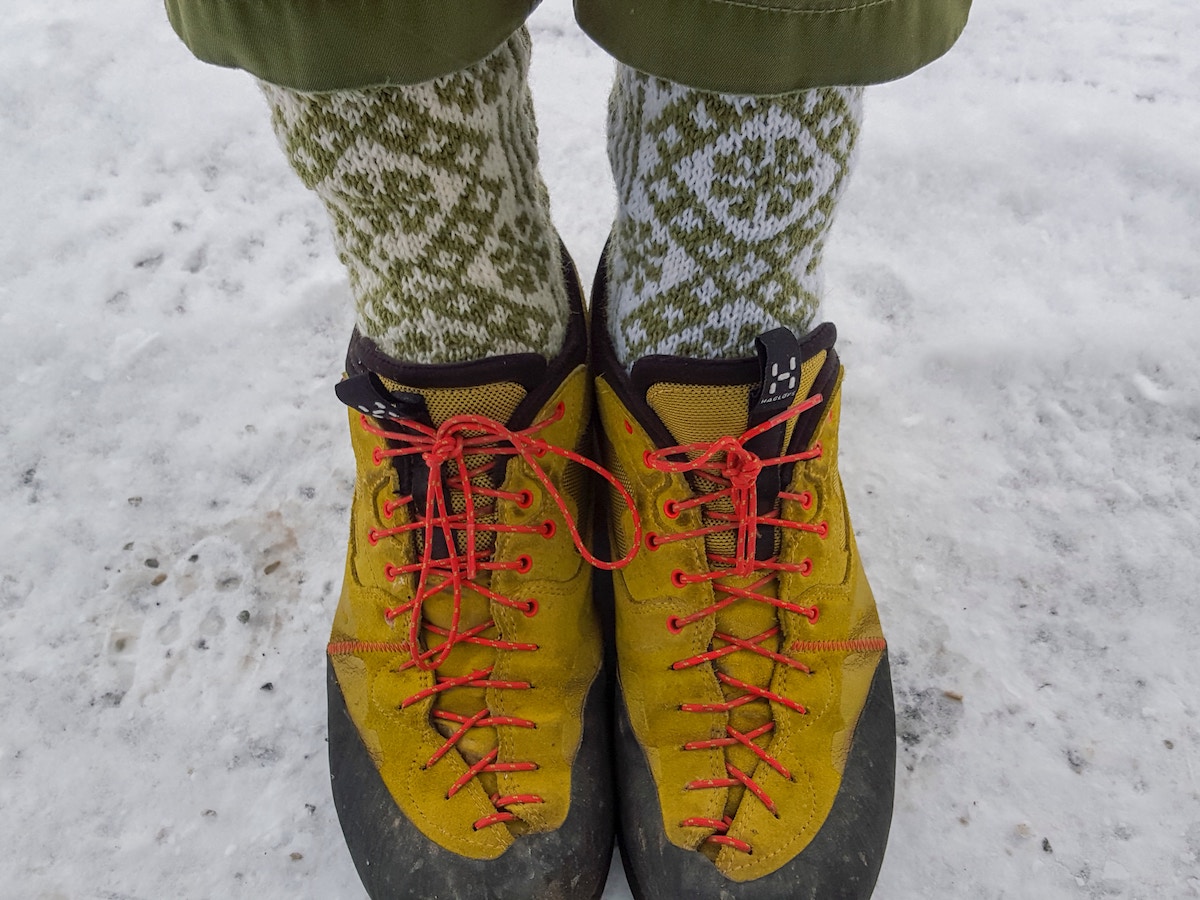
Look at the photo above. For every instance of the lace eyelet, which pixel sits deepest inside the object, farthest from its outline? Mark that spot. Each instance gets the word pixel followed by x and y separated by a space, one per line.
pixel 806 567
pixel 372 537
pixel 677 578
pixel 390 572
pixel 547 528
pixel 813 614
pixel 823 530
pixel 673 624
pixel 806 500
pixel 670 509
pixel 628 427
pixel 647 459
pixel 652 541
pixel 530 608
pixel 377 456
pixel 524 564
pixel 560 409
pixel 389 508
pixel 525 499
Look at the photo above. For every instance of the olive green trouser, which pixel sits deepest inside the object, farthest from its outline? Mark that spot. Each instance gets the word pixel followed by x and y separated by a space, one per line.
pixel 732 46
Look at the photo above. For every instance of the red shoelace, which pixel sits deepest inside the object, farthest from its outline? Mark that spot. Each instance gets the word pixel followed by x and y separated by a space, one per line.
pixel 445 450
pixel 728 464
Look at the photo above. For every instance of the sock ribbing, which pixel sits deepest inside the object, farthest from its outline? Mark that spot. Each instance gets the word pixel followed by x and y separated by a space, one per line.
pixel 438 209
pixel 724 204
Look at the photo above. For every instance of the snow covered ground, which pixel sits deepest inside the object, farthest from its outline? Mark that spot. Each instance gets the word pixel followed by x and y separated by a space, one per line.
pixel 1015 275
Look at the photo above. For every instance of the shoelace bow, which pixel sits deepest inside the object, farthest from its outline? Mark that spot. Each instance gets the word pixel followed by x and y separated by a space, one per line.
pixel 726 462
pixel 447 447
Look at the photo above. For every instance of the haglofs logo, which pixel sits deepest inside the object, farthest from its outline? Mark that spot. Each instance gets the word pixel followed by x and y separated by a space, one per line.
pixel 783 384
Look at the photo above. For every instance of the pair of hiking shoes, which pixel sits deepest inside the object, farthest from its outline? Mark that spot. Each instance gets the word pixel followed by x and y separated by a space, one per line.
pixel 701 674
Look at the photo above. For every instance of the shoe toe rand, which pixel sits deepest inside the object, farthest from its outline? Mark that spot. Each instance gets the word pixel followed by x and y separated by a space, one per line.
pixel 840 863
pixel 395 860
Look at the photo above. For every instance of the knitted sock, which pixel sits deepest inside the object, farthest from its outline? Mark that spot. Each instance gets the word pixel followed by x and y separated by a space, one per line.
pixel 439 212
pixel 724 205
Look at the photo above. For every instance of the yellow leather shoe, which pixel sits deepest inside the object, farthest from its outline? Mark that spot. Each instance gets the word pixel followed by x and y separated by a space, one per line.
pixel 755 739
pixel 468 739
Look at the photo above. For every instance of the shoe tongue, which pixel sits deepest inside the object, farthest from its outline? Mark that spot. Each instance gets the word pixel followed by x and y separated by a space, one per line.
pixel 387 398
pixel 497 401
pixel 700 401
pixel 700 413
pixel 494 387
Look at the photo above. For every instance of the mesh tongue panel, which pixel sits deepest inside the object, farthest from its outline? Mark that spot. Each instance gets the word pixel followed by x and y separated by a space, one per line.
pixel 496 401
pixel 705 412
pixel 696 413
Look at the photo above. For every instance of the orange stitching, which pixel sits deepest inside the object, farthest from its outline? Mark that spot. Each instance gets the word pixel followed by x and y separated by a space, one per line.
pixel 858 645
pixel 343 648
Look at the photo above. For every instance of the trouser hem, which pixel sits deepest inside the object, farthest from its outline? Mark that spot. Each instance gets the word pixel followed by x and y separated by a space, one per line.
pixel 741 47
pixel 326 45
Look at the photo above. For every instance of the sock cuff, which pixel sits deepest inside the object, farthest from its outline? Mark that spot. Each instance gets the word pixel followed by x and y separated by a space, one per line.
pixel 724 203
pixel 438 209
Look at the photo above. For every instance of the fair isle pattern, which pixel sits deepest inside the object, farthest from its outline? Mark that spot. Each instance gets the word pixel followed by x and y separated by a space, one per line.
pixel 439 212
pixel 724 204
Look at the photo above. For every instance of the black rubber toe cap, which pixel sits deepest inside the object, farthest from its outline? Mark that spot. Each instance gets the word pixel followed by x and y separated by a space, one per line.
pixel 842 861
pixel 395 860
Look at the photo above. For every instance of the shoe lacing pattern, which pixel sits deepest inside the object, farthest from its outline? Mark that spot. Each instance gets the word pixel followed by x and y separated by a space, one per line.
pixel 461 506
pixel 733 507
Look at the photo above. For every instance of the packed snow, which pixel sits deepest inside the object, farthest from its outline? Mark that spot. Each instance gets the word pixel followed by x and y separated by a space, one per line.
pixel 1015 276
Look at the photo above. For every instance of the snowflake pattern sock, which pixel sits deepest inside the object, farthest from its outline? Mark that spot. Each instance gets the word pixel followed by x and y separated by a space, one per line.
pixel 724 204
pixel 438 209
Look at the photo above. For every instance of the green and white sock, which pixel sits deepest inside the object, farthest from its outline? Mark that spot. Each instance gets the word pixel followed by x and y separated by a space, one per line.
pixel 724 206
pixel 439 212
